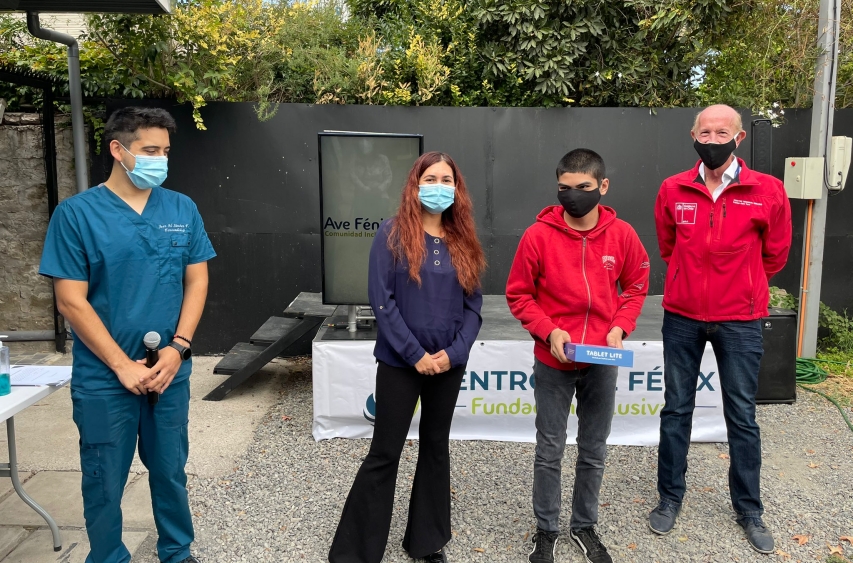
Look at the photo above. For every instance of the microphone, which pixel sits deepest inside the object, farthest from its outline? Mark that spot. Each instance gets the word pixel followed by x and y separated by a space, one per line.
pixel 152 356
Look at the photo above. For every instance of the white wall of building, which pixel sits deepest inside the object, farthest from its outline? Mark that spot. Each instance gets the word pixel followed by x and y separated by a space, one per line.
pixel 71 24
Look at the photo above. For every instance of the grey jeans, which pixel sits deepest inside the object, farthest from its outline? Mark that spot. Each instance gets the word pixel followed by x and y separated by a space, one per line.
pixel 596 391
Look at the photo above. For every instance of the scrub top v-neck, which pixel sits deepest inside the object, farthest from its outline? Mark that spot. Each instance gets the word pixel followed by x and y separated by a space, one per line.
pixel 134 264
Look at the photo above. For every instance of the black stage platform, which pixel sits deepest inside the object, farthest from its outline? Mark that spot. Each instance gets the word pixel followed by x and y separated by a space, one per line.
pixel 499 324
pixel 776 379
pixel 307 319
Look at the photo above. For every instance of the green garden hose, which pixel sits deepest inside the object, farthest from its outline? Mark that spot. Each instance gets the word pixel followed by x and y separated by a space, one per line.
pixel 810 373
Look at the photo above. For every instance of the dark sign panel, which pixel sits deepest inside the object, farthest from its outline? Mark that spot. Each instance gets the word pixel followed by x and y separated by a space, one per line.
pixel 361 177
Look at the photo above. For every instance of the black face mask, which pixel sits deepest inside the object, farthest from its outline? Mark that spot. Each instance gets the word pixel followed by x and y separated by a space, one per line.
pixel 714 155
pixel 578 203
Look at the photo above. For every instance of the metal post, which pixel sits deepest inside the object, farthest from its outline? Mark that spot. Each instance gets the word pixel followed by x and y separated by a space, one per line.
pixel 821 134
pixel 352 318
pixel 48 127
pixel 16 484
pixel 76 89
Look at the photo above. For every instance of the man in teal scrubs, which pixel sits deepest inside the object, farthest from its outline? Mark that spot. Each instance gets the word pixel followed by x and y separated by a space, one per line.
pixel 128 257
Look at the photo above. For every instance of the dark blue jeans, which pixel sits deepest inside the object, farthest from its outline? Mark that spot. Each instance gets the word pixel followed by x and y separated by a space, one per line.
pixel 738 348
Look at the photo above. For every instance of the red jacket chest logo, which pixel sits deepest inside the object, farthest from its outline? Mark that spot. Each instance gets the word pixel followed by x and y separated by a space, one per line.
pixel 685 213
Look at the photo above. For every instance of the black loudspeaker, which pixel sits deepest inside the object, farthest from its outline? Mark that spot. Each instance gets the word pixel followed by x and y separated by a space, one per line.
pixel 777 376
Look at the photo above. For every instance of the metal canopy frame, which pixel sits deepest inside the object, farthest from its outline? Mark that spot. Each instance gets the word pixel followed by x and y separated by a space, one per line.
pixel 33 7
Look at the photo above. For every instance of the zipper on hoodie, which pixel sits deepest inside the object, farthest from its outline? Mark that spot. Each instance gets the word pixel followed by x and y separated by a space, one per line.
pixel 588 292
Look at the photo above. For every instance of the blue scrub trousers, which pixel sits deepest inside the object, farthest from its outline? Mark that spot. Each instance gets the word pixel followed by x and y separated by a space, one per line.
pixel 109 426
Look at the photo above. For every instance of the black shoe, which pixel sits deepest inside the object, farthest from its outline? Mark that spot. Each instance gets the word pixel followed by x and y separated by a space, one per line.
pixel 589 543
pixel 757 534
pixel 544 547
pixel 437 557
pixel 662 518
pixel 189 559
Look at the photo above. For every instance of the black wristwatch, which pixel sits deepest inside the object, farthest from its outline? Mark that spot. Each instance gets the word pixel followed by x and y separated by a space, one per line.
pixel 185 352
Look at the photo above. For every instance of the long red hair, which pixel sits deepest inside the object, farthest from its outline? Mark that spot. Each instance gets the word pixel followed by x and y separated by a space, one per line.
pixel 406 238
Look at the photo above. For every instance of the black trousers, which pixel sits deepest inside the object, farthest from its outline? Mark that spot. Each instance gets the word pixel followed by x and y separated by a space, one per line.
pixel 366 520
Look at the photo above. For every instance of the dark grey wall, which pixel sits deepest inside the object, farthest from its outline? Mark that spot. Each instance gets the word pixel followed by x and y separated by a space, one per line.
pixel 792 139
pixel 256 185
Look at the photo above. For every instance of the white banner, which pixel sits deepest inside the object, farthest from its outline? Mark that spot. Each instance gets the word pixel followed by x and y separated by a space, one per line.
pixel 496 396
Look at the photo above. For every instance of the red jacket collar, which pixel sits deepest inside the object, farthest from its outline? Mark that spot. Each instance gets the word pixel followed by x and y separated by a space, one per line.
pixel 746 177
pixel 553 216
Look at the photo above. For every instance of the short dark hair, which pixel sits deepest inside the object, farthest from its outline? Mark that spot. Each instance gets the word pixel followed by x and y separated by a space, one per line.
pixel 582 161
pixel 125 122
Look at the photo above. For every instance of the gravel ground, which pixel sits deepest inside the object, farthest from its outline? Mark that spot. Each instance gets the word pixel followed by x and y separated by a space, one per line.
pixel 283 499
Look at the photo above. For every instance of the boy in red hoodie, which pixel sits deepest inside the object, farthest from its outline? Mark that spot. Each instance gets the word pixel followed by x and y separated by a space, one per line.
pixel 564 287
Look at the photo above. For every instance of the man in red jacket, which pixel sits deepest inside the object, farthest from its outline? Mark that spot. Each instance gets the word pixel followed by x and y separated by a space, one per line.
pixel 723 231
pixel 563 288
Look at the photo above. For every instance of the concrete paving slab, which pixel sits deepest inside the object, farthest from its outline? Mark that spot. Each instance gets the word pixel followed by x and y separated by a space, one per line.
pixel 6 483
pixel 219 432
pixel 58 492
pixel 136 504
pixel 75 546
pixel 46 436
pixel 10 538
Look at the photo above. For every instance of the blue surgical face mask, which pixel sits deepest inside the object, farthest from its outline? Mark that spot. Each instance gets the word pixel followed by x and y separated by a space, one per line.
pixel 148 172
pixel 436 197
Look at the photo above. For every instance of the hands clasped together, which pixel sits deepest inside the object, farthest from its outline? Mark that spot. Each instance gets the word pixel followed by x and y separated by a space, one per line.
pixel 432 364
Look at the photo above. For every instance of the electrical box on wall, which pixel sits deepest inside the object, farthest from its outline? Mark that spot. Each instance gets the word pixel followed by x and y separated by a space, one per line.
pixel 839 162
pixel 804 177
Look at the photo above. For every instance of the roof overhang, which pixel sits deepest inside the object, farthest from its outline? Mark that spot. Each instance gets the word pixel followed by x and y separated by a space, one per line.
pixel 102 6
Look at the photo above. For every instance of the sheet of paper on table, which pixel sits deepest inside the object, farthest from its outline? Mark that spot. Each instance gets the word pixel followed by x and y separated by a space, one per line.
pixel 40 375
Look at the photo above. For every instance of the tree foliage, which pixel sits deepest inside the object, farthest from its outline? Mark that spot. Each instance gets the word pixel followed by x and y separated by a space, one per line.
pixel 657 53
pixel 768 58
pixel 207 50
pixel 593 53
pixel 551 52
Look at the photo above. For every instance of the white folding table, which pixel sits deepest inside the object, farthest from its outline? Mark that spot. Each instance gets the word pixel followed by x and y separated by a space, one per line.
pixel 19 399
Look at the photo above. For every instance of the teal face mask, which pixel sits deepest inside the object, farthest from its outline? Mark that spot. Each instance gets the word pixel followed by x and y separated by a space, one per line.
pixel 436 197
pixel 149 171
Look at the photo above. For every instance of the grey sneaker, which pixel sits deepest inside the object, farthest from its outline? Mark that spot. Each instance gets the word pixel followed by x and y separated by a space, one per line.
pixel 589 543
pixel 757 534
pixel 662 518
pixel 544 547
